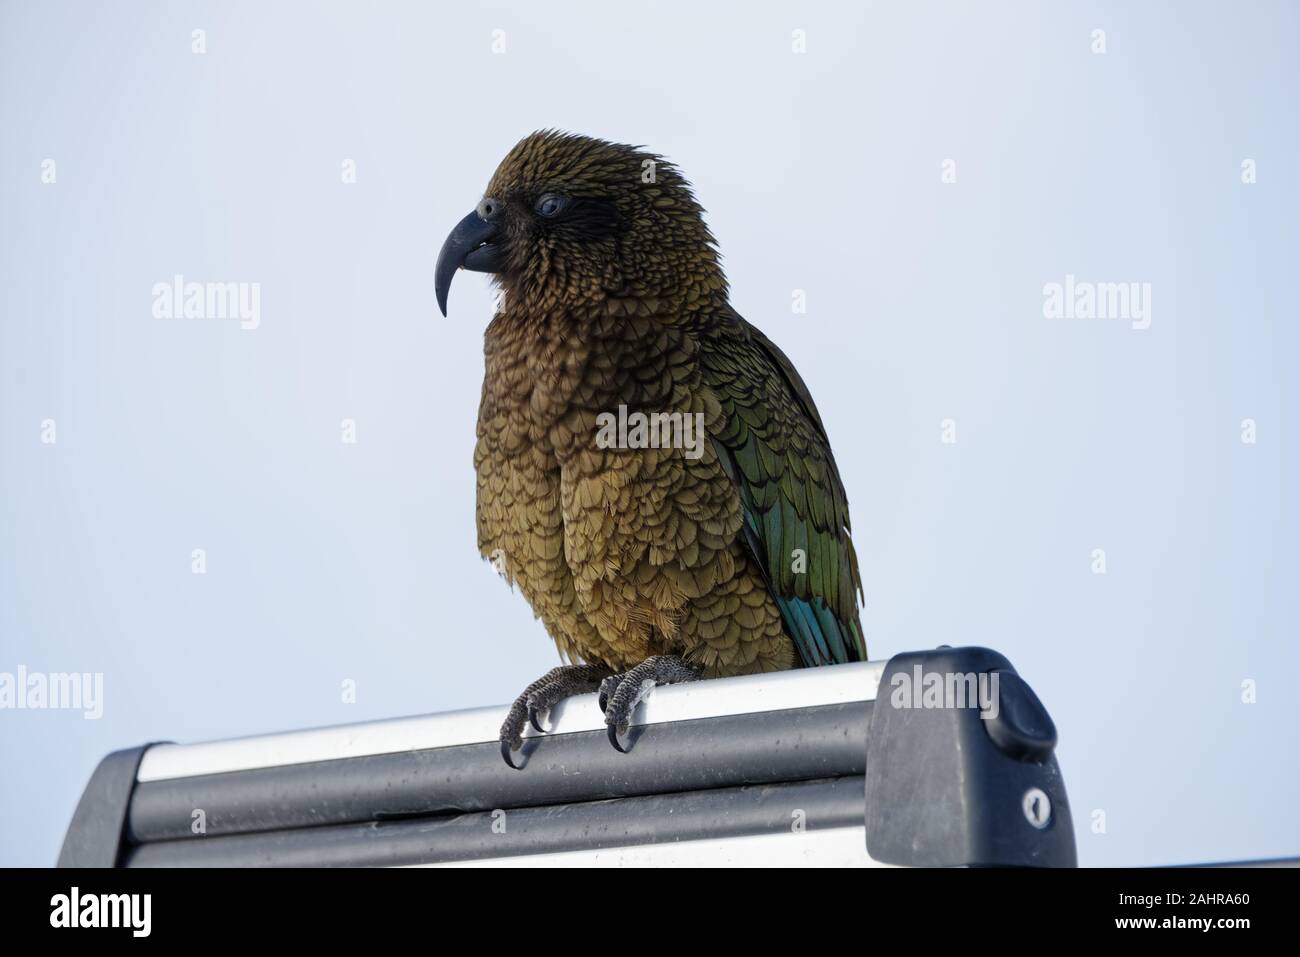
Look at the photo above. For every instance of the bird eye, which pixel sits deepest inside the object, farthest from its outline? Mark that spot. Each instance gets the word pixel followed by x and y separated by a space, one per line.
pixel 550 205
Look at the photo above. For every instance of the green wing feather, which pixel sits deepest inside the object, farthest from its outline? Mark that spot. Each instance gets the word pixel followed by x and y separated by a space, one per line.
pixel 775 450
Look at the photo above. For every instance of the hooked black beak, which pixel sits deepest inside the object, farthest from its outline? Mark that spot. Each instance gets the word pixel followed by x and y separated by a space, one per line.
pixel 471 245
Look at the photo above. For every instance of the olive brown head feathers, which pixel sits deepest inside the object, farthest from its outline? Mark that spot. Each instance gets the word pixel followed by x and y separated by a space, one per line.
pixel 569 220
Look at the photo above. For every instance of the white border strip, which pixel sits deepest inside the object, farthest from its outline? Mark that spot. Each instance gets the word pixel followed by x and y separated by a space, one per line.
pixel 777 691
pixel 832 847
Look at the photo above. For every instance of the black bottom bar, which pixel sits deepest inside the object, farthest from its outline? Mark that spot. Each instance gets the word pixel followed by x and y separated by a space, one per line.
pixel 907 909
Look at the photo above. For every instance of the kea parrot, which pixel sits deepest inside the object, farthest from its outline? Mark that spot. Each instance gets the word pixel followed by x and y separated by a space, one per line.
pixel 649 562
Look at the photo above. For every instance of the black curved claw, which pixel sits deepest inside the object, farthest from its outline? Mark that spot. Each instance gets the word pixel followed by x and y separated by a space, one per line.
pixel 532 719
pixel 507 756
pixel 612 733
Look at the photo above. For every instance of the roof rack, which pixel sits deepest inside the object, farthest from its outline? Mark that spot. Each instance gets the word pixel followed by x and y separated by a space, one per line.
pixel 861 764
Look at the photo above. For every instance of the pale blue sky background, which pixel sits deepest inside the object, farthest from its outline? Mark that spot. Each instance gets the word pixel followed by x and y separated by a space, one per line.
pixel 820 172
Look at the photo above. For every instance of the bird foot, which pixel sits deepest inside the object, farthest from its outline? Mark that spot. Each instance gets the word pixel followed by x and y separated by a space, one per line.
pixel 537 699
pixel 620 694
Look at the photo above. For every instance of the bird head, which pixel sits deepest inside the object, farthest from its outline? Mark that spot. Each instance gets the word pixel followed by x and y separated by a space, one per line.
pixel 569 220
